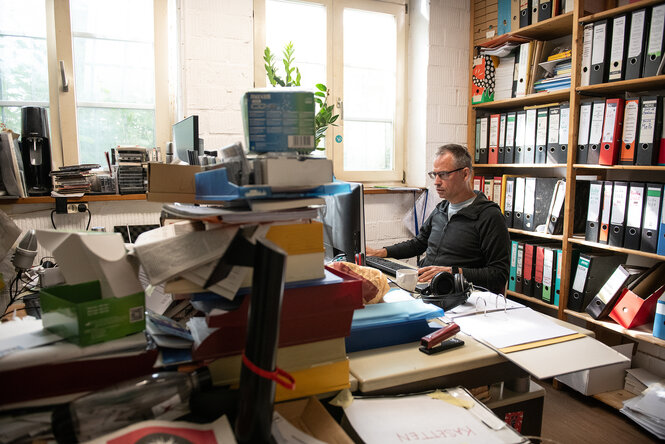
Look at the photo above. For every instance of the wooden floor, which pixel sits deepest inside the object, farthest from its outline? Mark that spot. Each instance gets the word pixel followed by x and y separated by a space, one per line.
pixel 572 418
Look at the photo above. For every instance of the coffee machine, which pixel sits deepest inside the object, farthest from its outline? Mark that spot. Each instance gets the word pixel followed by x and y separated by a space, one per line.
pixel 36 150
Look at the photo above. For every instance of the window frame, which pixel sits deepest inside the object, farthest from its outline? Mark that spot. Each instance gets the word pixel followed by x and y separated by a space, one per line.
pixel 334 80
pixel 63 105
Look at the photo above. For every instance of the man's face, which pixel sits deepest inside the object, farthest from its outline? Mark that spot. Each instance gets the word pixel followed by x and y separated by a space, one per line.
pixel 455 185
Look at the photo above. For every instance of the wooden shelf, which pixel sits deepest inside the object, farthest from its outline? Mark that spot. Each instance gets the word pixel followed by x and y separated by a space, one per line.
pixel 584 166
pixel 530 299
pixel 619 10
pixel 532 99
pixel 615 398
pixel 520 165
pixel 633 85
pixel 86 198
pixel 643 332
pixel 581 241
pixel 546 30
pixel 537 234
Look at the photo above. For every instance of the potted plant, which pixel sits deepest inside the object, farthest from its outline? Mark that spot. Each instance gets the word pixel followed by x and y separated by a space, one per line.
pixel 325 116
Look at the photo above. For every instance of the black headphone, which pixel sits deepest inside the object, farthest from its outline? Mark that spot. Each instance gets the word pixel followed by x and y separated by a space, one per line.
pixel 447 290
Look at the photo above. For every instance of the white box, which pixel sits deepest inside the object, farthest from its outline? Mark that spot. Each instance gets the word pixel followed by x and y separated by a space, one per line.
pixel 293 172
pixel 600 379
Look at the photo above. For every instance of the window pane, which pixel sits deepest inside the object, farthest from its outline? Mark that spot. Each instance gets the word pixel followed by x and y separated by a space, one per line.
pixel 370 87
pixel 308 37
pixel 130 20
pixel 23 69
pixel 114 72
pixel 101 129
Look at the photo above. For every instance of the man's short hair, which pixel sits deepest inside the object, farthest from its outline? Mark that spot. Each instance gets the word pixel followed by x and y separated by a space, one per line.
pixel 459 153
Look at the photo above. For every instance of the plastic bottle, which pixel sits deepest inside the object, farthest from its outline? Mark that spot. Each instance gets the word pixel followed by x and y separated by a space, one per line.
pixel 118 406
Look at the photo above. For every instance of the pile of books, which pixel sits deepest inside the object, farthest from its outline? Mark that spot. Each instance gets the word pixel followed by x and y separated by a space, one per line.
pixel 73 179
pixel 558 67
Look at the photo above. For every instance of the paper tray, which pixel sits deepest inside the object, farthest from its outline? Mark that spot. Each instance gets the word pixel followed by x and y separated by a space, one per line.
pixel 214 185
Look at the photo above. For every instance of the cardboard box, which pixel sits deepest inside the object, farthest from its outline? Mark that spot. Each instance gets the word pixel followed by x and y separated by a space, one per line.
pixel 292 172
pixel 79 314
pixel 279 120
pixel 601 379
pixel 309 416
pixel 172 183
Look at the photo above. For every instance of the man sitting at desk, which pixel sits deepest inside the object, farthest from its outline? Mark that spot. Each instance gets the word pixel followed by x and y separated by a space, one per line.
pixel 464 230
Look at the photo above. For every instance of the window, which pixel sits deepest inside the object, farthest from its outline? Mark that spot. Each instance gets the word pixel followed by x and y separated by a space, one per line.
pixel 357 48
pixel 23 70
pixel 109 60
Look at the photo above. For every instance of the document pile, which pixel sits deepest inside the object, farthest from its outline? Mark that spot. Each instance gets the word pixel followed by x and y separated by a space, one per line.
pixel 648 409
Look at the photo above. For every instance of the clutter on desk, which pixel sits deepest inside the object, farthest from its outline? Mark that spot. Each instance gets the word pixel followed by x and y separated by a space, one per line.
pixel 648 409
pixel 73 179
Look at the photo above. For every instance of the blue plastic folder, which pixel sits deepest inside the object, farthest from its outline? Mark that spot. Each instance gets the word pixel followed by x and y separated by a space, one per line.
pixel 385 324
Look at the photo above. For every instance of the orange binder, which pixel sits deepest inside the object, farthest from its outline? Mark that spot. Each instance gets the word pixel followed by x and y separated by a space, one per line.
pixel 495 128
pixel 631 118
pixel 603 237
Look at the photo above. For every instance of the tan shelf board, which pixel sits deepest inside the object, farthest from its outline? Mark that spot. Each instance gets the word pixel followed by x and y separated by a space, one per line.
pixel 530 299
pixel 536 234
pixel 584 166
pixel 615 398
pixel 520 165
pixel 549 29
pixel 86 198
pixel 643 332
pixel 531 99
pixel 581 241
pixel 618 10
pixel 644 84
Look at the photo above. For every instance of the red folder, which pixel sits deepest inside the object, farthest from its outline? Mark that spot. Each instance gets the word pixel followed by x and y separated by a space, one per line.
pixel 45 380
pixel 632 310
pixel 611 141
pixel 495 128
pixel 527 274
pixel 309 313
pixel 538 276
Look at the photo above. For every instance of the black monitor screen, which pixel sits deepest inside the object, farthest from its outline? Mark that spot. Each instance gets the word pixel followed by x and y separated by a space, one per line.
pixel 186 138
pixel 343 220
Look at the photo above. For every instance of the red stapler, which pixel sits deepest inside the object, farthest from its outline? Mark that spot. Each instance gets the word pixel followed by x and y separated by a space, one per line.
pixel 436 342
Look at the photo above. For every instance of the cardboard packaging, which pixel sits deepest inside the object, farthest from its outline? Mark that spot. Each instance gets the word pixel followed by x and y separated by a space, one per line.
pixel 279 120
pixel 293 172
pixel 79 314
pixel 601 379
pixel 310 417
pixel 172 183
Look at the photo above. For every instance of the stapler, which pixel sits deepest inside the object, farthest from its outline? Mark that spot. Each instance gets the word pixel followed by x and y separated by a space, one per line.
pixel 436 342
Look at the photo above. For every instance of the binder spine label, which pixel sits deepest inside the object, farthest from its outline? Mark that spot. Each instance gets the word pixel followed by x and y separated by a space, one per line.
pixel 610 120
pixel 619 211
pixel 651 209
pixel 580 274
pixel 598 52
pixel 520 130
pixel 553 131
pixel 586 53
pixel 654 48
pixel 616 54
pixel 547 267
pixel 563 127
pixel 630 121
pixel 510 130
pixel 634 216
pixel 502 131
pixel 596 131
pixel 648 125
pixel 541 128
pixel 585 121
pixel 594 202
pixel 483 133
pixel 636 33
pixel 508 205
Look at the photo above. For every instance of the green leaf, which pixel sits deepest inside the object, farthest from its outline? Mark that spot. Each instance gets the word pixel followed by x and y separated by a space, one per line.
pixel 319 94
pixel 321 87
pixel 334 118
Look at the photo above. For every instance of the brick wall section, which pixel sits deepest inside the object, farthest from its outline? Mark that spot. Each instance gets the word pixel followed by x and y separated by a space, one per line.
pixel 217 66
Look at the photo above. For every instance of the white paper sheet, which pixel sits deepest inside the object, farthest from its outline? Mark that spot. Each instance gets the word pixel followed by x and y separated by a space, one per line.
pixel 422 418
pixel 482 302
pixel 512 327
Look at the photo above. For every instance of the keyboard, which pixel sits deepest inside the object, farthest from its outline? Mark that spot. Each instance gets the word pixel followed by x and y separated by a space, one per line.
pixel 385 265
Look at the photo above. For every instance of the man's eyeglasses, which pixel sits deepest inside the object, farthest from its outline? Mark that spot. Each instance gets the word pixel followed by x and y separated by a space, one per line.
pixel 443 175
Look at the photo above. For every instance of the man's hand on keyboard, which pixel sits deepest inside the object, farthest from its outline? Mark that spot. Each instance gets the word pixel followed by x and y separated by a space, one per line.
pixel 381 252
pixel 426 274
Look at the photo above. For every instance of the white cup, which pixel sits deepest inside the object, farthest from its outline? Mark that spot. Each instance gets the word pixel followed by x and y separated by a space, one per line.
pixel 407 279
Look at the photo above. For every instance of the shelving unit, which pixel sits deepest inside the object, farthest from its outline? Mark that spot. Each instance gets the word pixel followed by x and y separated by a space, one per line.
pixel 572 24
pixel 8 200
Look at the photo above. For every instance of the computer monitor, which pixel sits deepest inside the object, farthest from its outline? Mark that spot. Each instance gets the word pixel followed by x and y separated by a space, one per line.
pixel 343 220
pixel 186 138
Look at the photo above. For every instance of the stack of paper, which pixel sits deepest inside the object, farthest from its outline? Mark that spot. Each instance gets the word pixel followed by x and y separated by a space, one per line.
pixel 639 379
pixel 503 80
pixel 648 409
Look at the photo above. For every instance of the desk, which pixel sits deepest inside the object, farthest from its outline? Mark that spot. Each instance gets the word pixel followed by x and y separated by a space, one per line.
pixel 404 369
